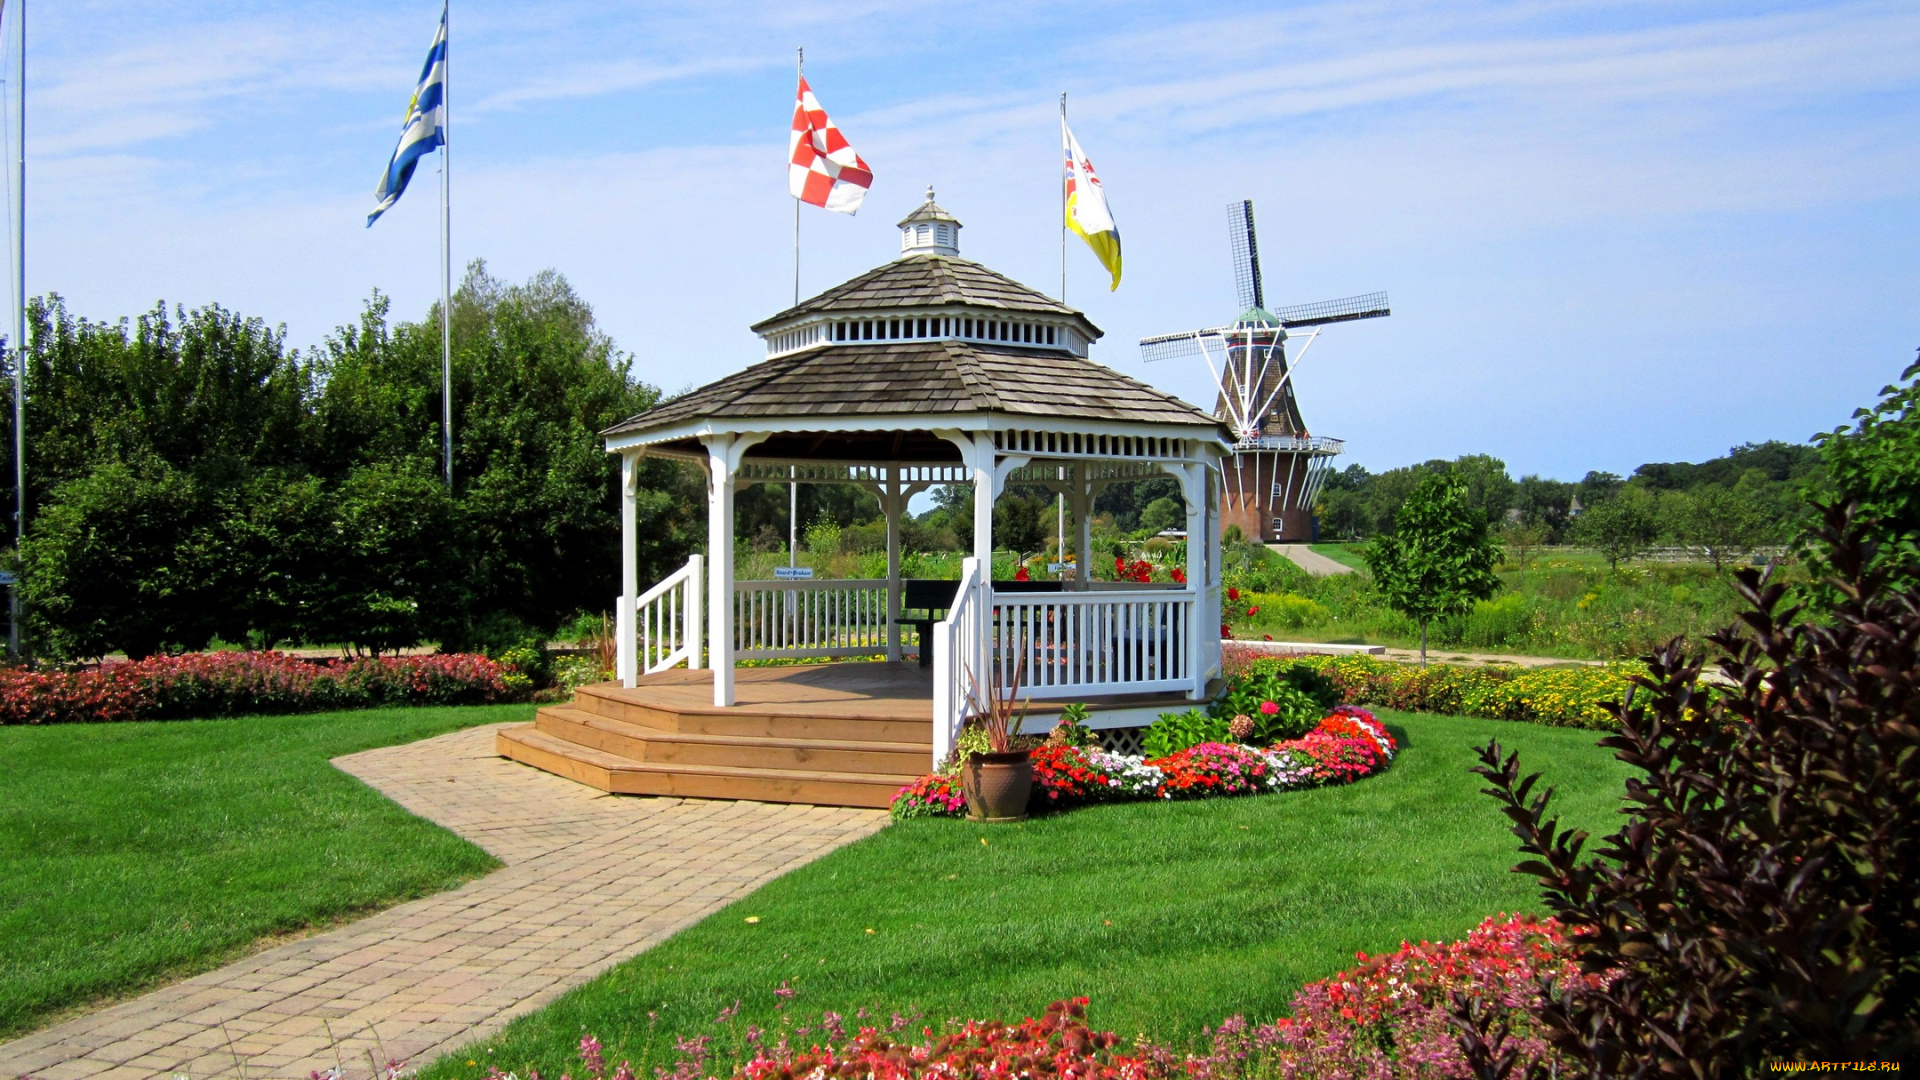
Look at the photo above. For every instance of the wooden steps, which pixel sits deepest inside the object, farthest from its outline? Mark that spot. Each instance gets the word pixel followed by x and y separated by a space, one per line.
pixel 794 736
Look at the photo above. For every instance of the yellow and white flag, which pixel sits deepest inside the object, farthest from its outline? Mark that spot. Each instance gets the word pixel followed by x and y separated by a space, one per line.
pixel 1087 212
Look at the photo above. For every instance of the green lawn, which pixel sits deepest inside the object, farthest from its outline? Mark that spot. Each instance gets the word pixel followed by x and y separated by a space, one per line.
pixel 132 854
pixel 1170 915
pixel 1344 554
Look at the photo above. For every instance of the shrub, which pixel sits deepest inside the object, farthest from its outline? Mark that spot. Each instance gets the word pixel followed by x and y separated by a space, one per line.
pixel 1072 730
pixel 1761 903
pixel 237 684
pixel 1177 731
pixel 1505 620
pixel 1284 700
pixel 1574 696
pixel 572 671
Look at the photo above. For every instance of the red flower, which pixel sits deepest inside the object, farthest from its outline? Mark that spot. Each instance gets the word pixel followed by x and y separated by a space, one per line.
pixel 1021 575
pixel 1233 593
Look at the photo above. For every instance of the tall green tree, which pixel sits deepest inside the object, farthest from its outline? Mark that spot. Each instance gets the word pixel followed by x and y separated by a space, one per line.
pixel 1876 464
pixel 1621 526
pixel 1724 524
pixel 1439 558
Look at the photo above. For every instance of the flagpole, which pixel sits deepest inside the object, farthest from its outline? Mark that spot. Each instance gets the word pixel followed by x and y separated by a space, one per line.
pixel 800 69
pixel 1063 201
pixel 19 346
pixel 446 245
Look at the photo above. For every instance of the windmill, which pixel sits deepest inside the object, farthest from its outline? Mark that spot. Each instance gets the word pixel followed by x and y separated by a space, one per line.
pixel 1278 467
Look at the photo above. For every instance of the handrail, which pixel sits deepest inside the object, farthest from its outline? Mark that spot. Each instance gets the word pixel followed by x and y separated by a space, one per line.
pixel 959 647
pixel 666 625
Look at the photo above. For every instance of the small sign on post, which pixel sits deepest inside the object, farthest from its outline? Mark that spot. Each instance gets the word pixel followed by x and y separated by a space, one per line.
pixel 792 573
pixel 7 577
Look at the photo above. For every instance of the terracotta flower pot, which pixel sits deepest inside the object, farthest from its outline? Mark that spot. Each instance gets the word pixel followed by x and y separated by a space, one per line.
pixel 997 786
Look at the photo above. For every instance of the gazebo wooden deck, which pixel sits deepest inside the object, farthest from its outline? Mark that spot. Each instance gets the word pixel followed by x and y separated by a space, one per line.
pixel 929 370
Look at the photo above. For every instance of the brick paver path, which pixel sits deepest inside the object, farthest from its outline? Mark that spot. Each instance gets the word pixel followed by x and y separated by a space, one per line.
pixel 590 880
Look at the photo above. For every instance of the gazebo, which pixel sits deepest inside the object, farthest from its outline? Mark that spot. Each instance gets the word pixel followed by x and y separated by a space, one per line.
pixel 928 370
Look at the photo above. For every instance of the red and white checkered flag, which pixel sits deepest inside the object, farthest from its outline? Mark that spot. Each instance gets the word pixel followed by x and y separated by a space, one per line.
pixel 821 168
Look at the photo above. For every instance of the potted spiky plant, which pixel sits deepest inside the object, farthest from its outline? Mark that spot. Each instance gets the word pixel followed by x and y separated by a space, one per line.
pixel 998 780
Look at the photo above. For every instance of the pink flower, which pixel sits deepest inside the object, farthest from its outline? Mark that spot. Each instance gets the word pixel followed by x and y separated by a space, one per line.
pixel 1269 708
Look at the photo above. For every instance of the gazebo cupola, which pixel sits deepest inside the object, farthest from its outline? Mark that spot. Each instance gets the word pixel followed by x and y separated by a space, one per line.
pixel 929 230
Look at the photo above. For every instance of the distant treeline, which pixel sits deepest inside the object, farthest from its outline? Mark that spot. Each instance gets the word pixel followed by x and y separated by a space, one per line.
pixel 191 477
pixel 1752 497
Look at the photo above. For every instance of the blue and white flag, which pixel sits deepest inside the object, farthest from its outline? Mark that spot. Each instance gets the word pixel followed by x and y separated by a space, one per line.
pixel 425 128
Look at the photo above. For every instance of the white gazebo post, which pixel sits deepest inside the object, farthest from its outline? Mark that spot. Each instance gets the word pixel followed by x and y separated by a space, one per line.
pixel 626 642
pixel 893 504
pixel 1193 488
pixel 720 465
pixel 1080 503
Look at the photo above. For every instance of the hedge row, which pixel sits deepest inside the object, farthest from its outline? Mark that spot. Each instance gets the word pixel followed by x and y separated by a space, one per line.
pixel 236 684
pixel 1558 696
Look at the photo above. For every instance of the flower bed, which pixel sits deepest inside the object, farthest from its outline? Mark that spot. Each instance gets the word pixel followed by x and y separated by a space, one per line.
pixel 1390 1015
pixel 1347 745
pixel 1387 1017
pixel 1560 697
pixel 234 684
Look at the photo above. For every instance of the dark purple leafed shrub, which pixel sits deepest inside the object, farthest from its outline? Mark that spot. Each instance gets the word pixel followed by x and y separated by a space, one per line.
pixel 1763 900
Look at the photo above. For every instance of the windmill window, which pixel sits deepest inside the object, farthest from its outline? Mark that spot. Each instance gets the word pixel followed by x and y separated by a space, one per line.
pixel 1049 335
pixel 866 330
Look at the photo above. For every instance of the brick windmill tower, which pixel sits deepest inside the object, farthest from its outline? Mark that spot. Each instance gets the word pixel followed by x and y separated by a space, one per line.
pixel 1278 466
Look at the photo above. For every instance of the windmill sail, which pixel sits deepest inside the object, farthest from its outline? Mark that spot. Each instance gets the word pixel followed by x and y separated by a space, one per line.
pixel 1246 255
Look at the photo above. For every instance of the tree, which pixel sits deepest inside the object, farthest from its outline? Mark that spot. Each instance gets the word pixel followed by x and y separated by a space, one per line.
pixel 1723 524
pixel 1162 514
pixel 1620 527
pixel 124 558
pixel 1545 503
pixel 1523 538
pixel 1489 488
pixel 1876 466
pixel 1438 559
pixel 1018 522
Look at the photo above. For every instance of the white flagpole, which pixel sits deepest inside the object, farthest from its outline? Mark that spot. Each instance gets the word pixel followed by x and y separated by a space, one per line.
pixel 1064 174
pixel 19 342
pixel 446 247
pixel 800 68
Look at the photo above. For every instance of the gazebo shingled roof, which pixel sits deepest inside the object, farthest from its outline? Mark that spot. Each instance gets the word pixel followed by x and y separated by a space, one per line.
pixel 942 377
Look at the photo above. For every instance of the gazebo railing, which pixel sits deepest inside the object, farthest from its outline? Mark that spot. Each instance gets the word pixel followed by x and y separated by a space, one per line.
pixel 959 642
pixel 1083 644
pixel 663 630
pixel 809 618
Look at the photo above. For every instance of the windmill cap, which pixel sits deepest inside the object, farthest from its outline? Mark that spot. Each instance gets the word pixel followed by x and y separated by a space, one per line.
pixel 1257 316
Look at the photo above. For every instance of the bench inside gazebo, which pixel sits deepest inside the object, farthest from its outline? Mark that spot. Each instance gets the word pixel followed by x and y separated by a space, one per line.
pixel 928 370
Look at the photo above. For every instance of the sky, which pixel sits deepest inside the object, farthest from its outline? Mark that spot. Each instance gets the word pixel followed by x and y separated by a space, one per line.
pixel 1612 232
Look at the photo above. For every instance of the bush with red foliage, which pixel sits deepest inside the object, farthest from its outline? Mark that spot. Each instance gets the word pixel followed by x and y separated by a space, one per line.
pixel 241 683
pixel 1762 901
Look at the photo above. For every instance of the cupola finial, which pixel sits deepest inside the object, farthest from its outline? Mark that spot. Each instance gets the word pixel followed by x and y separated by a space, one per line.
pixel 929 230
